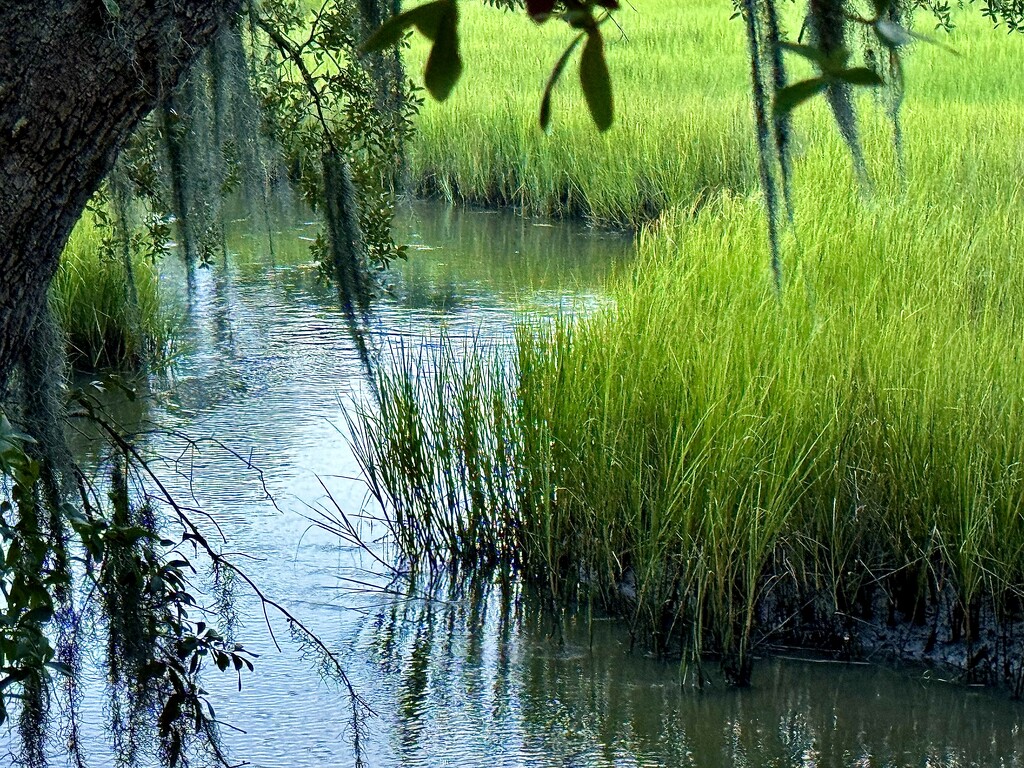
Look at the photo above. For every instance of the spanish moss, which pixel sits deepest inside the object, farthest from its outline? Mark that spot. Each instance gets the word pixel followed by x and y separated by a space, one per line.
pixel 765 149
pixel 782 122
pixel 827 24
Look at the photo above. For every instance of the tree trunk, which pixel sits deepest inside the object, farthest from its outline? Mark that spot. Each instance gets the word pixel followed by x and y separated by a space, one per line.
pixel 76 77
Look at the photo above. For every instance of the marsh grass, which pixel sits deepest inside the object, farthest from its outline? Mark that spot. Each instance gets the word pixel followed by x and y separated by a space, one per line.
pixel 707 458
pixel 107 323
pixel 728 467
pixel 680 134
pixel 684 126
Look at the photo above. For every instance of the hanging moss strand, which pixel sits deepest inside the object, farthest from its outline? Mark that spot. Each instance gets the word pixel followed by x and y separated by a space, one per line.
pixel 178 182
pixel 827 23
pixel 896 92
pixel 344 234
pixel 781 121
pixel 765 150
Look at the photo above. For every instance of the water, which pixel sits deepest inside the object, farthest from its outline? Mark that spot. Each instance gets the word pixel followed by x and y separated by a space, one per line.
pixel 466 677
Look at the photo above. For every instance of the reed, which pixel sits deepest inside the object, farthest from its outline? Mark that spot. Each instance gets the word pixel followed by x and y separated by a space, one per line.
pixel 727 466
pixel 108 321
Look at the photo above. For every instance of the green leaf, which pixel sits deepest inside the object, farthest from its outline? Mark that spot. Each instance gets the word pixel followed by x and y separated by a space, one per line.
pixel 597 85
pixel 40 614
pixel 112 8
pixel 444 65
pixel 792 96
pixel 859 76
pixel 556 73
pixel 424 17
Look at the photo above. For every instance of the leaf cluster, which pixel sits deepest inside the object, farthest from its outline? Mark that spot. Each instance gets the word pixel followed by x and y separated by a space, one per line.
pixel 159 640
pixel 438 22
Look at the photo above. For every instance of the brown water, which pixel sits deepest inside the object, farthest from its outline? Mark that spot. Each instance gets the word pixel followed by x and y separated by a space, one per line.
pixel 465 678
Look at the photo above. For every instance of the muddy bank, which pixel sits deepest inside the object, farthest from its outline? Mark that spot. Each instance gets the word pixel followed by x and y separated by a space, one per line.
pixel 983 645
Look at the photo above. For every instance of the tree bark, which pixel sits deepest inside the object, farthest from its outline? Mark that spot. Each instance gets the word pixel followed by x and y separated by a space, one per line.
pixel 76 77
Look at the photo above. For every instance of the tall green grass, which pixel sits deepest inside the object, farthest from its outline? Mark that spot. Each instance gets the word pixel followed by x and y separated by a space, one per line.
pixel 108 322
pixel 702 454
pixel 684 125
pixel 727 466
pixel 682 129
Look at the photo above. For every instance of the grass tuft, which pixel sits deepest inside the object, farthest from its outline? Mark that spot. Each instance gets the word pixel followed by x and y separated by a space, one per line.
pixel 106 324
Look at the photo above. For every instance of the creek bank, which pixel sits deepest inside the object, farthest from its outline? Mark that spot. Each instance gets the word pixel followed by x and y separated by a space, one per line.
pixel 980 647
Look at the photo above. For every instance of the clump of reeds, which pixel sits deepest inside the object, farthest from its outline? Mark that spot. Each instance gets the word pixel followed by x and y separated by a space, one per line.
pixel 724 465
pixel 107 322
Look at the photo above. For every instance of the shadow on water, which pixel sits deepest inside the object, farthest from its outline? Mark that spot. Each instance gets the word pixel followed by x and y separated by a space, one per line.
pixel 467 674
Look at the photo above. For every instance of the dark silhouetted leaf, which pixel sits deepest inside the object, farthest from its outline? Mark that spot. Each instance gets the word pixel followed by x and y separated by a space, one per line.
pixel 424 17
pixel 831 62
pixel 444 65
pixel 807 51
pixel 556 73
pixel 794 95
pixel 859 76
pixel 597 85
pixel 40 614
pixel 540 10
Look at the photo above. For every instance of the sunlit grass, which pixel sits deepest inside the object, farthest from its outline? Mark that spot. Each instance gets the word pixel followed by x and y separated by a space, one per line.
pixel 684 126
pixel 719 449
pixel 104 322
pixel 725 465
pixel 679 133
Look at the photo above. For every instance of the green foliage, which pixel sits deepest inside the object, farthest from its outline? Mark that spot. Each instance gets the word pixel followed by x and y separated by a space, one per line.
pixel 139 594
pixel 438 22
pixel 25 581
pixel 106 296
pixel 833 69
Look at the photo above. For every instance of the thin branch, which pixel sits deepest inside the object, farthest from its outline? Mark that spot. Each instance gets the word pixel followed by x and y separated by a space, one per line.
pixel 195 535
pixel 290 51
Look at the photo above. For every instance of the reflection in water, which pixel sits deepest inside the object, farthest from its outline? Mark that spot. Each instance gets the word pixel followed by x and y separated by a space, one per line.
pixel 488 678
pixel 477 675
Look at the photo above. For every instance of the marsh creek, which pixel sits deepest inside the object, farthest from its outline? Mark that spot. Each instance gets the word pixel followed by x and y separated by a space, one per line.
pixel 465 679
